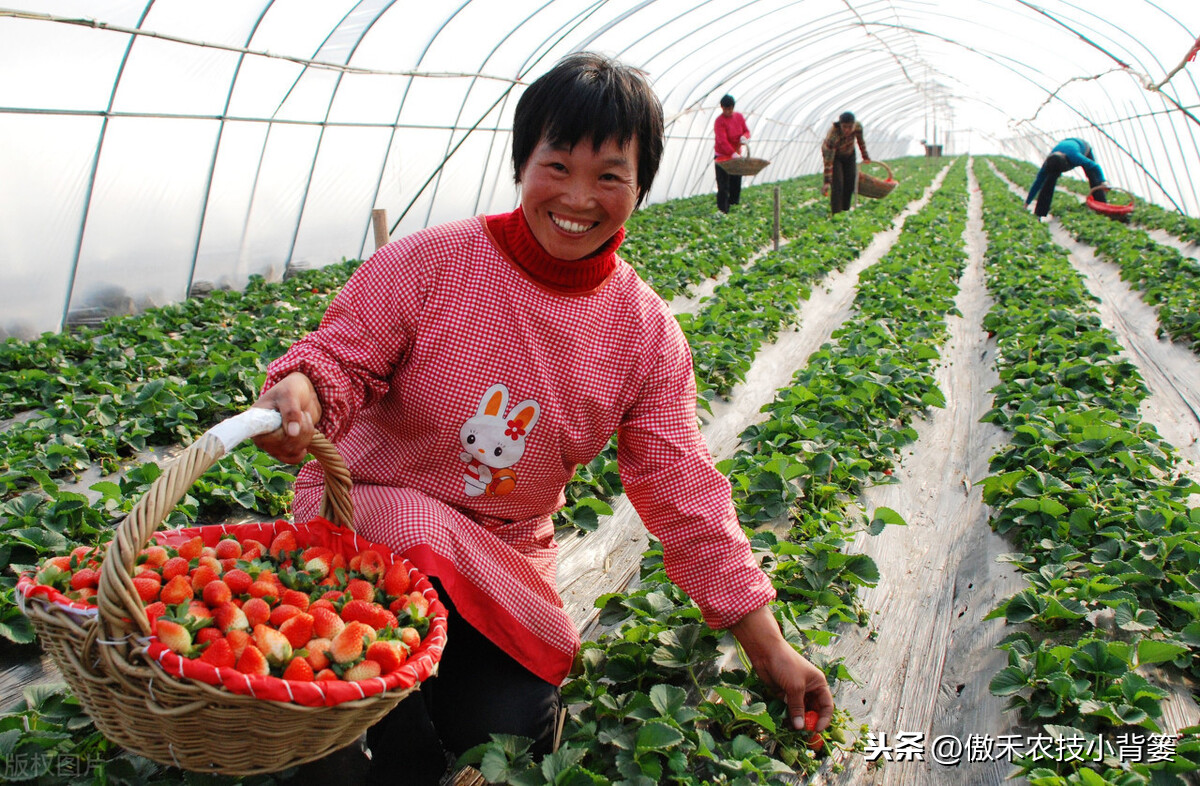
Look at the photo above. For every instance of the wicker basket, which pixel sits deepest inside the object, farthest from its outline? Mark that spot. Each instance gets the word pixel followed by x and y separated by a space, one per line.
pixel 873 187
pixel 744 165
pixel 1110 209
pixel 177 721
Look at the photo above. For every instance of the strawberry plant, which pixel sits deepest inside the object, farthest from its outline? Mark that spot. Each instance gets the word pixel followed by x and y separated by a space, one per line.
pixel 1094 498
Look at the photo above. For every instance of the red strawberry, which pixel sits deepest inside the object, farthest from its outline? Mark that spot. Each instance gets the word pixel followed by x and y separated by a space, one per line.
pixel 228 548
pixel 80 556
pixel 230 617
pixel 252 549
pixel 299 670
pixel 347 646
pixel 217 593
pixel 318 656
pixel 282 543
pixel 175 566
pixel 319 566
pixel 192 549
pixel 156 556
pixel 257 611
pixel 238 639
pixel 361 590
pixel 175 636
pixel 154 611
pixel 264 589
pixel 364 670
pixel 411 638
pixel 326 622
pixel 197 610
pixel 420 602
pixel 327 675
pixel 207 634
pixel 389 619
pixel 282 613
pixel 273 644
pixel 332 596
pixel 238 580
pixel 83 593
pixel 228 565
pixel 178 590
pixel 298 629
pixel 295 598
pixel 389 655
pixel 395 581
pixel 210 562
pixel 54 572
pixel 252 661
pixel 815 742
pixel 202 576
pixel 371 565
pixel 363 611
pixel 323 603
pixel 147 588
pixel 219 653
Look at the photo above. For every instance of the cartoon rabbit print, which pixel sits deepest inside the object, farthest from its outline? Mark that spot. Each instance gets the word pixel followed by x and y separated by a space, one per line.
pixel 493 441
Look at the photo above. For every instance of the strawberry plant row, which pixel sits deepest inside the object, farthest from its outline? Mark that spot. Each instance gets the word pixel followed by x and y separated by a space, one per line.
pixel 1145 214
pixel 633 720
pixel 1166 278
pixel 749 309
pixel 1093 497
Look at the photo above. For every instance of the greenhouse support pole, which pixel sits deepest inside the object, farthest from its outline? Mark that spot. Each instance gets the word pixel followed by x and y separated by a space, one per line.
pixel 379 222
pixel 776 225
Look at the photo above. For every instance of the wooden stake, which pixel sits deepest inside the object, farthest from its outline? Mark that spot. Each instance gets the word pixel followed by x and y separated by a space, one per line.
pixel 379 221
pixel 776 218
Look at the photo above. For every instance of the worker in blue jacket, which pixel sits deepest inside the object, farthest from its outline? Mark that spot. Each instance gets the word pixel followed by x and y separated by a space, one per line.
pixel 1065 156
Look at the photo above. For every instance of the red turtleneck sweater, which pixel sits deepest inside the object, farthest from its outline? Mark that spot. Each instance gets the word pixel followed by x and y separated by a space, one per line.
pixel 574 276
pixel 464 374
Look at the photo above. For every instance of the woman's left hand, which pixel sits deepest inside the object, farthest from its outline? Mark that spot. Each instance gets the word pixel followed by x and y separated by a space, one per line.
pixel 784 670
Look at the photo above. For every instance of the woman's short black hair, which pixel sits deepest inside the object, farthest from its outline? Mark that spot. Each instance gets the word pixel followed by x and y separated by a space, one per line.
pixel 846 117
pixel 590 96
pixel 727 101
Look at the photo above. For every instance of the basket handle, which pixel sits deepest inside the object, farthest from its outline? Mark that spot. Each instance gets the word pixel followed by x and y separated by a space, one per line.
pixel 882 164
pixel 116 597
pixel 1132 198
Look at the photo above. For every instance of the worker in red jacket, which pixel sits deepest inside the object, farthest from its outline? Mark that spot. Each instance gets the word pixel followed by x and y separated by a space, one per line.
pixel 731 133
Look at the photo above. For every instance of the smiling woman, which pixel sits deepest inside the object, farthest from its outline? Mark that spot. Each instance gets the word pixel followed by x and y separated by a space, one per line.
pixel 466 371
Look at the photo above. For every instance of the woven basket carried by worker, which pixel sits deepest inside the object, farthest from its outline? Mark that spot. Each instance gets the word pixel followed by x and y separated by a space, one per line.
pixel 187 713
pixel 745 165
pixel 873 187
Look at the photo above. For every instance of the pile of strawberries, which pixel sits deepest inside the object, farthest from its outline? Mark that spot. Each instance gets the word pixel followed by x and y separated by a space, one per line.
pixel 277 609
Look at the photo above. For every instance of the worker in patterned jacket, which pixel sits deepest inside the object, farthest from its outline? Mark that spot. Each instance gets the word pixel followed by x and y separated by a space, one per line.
pixel 466 370
pixel 841 170
pixel 1065 156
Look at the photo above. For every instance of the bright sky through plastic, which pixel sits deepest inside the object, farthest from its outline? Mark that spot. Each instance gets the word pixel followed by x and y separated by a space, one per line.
pixel 177 141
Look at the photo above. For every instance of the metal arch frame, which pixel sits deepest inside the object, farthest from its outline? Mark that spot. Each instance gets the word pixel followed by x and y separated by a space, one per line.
pixel 579 18
pixel 1066 104
pixel 524 68
pixel 396 123
pixel 212 164
pixel 271 122
pixel 1143 94
pixel 466 97
pixel 687 108
pixel 1123 136
pixel 383 8
pixel 91 180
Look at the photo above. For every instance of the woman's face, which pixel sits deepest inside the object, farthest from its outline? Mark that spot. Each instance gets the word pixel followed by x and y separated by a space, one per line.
pixel 576 199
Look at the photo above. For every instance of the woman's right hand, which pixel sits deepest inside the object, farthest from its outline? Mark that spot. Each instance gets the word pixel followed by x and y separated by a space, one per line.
pixel 825 189
pixel 296 401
